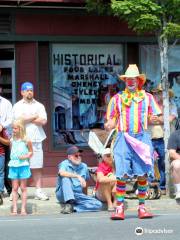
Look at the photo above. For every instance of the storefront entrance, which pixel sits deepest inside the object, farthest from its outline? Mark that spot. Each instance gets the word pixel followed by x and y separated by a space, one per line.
pixel 7 72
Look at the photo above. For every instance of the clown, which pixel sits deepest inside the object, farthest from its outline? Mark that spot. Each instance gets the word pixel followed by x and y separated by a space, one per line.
pixel 129 113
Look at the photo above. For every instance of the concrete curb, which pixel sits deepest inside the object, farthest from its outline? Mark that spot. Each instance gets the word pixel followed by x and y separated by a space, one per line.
pixel 36 207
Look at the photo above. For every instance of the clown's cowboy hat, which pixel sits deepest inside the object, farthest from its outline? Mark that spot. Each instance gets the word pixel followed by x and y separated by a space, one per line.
pixel 160 89
pixel 133 72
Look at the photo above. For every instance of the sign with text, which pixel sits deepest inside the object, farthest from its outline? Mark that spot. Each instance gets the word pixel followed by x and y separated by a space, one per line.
pixel 82 75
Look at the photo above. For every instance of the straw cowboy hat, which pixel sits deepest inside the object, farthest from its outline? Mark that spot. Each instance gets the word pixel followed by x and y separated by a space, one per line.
pixel 133 72
pixel 160 89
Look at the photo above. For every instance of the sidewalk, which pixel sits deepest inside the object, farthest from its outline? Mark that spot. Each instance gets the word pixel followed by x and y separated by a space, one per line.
pixel 51 206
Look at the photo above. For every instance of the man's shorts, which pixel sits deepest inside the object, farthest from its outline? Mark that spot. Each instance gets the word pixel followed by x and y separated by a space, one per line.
pixel 22 172
pixel 36 161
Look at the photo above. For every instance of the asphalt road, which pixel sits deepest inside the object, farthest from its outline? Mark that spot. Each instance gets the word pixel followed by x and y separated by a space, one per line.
pixel 90 226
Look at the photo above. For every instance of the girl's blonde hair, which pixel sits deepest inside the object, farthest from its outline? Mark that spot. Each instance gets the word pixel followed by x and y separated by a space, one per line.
pixel 22 131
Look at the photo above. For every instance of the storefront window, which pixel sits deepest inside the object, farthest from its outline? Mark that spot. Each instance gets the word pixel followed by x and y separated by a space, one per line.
pixel 84 77
pixel 150 65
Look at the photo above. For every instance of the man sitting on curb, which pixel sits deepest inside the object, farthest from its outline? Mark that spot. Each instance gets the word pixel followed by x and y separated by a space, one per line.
pixel 174 154
pixel 71 182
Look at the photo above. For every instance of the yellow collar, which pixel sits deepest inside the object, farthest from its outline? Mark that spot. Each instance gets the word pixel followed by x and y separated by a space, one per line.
pixel 127 96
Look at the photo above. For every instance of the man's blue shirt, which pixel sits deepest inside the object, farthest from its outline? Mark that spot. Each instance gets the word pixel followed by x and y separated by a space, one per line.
pixel 80 169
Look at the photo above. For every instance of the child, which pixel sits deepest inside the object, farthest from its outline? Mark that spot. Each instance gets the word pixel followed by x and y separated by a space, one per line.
pixel 19 170
pixel 4 140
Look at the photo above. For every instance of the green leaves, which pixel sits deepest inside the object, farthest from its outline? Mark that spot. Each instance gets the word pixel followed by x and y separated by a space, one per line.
pixel 141 15
pixel 101 7
pixel 172 30
pixel 156 16
pixel 147 22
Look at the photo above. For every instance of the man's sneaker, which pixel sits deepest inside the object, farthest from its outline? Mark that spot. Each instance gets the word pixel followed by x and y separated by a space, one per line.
pixel 177 197
pixel 41 196
pixel 10 197
pixel 67 209
pixel 1 199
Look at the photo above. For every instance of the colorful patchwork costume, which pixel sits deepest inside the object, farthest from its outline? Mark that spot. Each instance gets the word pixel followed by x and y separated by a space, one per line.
pixel 128 112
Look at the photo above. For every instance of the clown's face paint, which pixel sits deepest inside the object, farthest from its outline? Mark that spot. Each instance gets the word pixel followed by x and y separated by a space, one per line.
pixel 132 84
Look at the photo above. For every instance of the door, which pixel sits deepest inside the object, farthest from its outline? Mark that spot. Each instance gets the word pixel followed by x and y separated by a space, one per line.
pixel 7 80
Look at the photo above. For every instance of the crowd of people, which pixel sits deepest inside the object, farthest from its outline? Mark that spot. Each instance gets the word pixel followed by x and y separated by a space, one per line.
pixel 138 118
pixel 21 128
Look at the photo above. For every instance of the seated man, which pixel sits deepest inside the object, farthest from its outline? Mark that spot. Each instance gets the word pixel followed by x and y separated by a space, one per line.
pixel 174 154
pixel 106 181
pixel 71 182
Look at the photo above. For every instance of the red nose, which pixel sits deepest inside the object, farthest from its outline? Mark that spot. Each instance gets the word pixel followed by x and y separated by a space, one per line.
pixel 130 82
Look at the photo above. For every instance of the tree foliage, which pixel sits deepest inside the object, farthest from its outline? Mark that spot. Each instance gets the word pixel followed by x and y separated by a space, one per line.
pixel 140 14
pixel 102 7
pixel 161 17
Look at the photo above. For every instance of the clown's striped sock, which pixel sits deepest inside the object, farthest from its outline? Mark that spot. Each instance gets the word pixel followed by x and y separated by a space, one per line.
pixel 142 189
pixel 120 190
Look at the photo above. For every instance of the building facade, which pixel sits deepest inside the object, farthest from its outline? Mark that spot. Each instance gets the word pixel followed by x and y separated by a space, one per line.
pixel 73 58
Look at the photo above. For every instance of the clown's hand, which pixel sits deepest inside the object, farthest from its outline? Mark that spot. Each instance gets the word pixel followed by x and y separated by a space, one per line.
pixel 110 124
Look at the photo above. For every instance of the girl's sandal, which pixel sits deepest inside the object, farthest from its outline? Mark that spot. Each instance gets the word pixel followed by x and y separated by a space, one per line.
pixel 23 213
pixel 14 213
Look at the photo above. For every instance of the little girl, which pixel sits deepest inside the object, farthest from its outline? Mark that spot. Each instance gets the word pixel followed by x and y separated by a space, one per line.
pixel 19 170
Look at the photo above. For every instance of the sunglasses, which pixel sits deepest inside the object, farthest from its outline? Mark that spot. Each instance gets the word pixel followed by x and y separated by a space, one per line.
pixel 77 155
pixel 108 155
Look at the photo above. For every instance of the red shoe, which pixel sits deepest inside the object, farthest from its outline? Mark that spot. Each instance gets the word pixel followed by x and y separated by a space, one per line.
pixel 119 214
pixel 143 213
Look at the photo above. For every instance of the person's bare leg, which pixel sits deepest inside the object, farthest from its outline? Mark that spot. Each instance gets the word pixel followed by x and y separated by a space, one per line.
pixel 105 191
pixel 37 177
pixel 23 186
pixel 176 171
pixel 15 186
pixel 176 177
